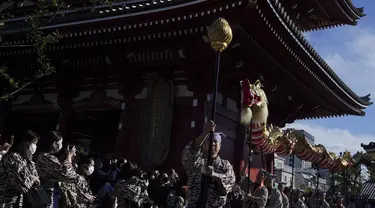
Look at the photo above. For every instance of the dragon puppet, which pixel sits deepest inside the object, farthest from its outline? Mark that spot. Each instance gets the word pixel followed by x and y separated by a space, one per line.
pixel 254 103
pixel 254 111
pixel 269 139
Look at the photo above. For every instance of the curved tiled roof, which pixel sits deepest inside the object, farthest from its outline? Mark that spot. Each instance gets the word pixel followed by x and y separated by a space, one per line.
pixel 128 9
pixel 356 11
pixel 323 14
pixel 363 103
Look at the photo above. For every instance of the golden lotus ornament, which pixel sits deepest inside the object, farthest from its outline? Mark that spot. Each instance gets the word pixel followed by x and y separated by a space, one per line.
pixel 219 34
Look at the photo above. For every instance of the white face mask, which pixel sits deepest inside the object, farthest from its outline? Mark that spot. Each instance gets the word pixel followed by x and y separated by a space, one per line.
pixel 57 146
pixel 32 149
pixel 90 170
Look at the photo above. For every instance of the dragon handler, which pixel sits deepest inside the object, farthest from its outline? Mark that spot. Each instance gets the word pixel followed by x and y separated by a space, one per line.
pixel 220 172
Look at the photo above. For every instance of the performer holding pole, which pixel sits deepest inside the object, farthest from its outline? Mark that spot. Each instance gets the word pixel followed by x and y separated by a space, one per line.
pixel 254 114
pixel 210 178
pixel 220 35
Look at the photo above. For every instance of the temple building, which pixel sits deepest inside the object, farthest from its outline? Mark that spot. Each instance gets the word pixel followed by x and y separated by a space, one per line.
pixel 135 77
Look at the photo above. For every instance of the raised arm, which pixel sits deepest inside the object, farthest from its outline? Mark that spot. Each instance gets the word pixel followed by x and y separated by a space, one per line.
pixel 192 152
pixel 50 167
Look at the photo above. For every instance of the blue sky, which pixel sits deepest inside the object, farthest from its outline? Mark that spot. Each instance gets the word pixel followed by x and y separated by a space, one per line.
pixel 350 51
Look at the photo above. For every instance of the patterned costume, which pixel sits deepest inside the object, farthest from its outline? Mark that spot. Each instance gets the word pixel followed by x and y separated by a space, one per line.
pixel 83 190
pixel 194 165
pixel 275 200
pixel 261 193
pixel 17 176
pixel 300 204
pixel 51 171
pixel 261 196
pixel 128 190
pixel 285 200
pixel 174 201
pixel 324 204
pixel 73 193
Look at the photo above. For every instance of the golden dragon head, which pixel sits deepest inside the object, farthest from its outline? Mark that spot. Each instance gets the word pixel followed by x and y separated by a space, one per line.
pixel 346 159
pixel 275 133
pixel 254 103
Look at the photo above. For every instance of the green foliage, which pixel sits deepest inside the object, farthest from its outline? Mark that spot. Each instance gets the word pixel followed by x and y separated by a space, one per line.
pixel 40 41
pixel 354 178
pixel 308 190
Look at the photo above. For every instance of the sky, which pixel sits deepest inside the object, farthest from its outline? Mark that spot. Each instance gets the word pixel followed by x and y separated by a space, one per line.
pixel 350 51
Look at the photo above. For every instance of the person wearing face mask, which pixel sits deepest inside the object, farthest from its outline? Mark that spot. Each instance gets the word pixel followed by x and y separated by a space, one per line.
pixel 67 189
pixel 128 190
pixel 84 196
pixel 18 174
pixel 99 177
pixel 49 167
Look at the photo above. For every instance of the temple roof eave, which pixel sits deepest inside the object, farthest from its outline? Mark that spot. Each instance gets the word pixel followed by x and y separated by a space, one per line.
pixel 322 64
pixel 361 103
pixel 359 12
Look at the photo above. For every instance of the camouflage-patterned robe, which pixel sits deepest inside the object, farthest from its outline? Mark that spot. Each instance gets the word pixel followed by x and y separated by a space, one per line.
pixel 299 204
pixel 194 164
pixel 275 200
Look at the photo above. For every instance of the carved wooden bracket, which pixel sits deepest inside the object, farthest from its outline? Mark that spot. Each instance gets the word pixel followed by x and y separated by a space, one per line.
pixel 252 3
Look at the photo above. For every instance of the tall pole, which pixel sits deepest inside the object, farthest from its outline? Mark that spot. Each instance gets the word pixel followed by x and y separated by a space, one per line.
pixel 292 182
pixel 261 156
pixel 317 178
pixel 220 35
pixel 250 139
pixel 333 183
pixel 346 187
pixel 317 187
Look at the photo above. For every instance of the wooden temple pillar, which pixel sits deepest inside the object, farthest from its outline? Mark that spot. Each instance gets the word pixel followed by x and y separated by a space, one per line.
pixel 129 129
pixel 66 118
pixel 189 117
pixel 5 112
pixel 68 83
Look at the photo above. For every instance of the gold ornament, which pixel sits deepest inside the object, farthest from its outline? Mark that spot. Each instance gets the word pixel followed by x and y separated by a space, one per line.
pixel 219 34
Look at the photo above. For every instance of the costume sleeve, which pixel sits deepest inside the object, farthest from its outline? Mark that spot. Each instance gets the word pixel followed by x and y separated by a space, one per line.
pixel 119 192
pixel 286 201
pixel 244 183
pixel 179 203
pixel 261 200
pixel 67 172
pixel 224 182
pixel 190 158
pixel 82 190
pixel 50 168
pixel 277 200
pixel 21 174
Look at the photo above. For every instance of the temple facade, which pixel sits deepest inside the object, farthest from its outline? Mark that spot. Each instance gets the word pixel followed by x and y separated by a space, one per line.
pixel 135 78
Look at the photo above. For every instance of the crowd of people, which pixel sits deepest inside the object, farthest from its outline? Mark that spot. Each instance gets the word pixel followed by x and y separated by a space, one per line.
pixel 42 172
